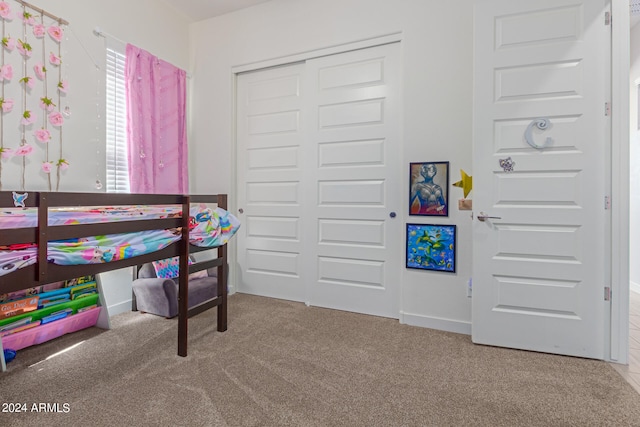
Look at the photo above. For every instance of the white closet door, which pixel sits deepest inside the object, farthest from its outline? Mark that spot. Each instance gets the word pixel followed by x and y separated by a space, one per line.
pixel 354 252
pixel 270 192
pixel 319 179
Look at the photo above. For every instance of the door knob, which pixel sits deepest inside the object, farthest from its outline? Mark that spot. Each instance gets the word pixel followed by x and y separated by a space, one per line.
pixel 392 215
pixel 241 210
pixel 483 217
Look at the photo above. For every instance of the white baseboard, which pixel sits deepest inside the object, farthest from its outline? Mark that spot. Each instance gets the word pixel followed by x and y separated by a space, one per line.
pixel 437 323
pixel 635 287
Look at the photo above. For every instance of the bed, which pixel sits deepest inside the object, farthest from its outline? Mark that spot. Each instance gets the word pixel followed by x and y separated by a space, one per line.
pixel 38 232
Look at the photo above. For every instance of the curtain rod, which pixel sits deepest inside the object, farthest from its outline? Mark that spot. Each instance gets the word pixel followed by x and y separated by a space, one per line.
pixel 44 12
pixel 98 32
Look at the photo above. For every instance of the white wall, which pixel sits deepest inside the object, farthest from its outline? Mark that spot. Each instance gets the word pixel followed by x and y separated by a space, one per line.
pixel 150 24
pixel 437 48
pixel 634 157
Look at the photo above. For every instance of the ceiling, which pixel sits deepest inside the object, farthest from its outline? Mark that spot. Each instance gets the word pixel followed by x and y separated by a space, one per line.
pixel 198 10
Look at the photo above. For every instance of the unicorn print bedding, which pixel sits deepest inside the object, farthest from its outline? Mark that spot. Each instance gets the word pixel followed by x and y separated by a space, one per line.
pixel 208 228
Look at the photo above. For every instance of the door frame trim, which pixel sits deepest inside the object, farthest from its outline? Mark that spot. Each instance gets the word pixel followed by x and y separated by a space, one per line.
pixel 316 53
pixel 620 176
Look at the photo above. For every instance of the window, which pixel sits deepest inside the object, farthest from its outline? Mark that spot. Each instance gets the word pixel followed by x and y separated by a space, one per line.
pixel 116 120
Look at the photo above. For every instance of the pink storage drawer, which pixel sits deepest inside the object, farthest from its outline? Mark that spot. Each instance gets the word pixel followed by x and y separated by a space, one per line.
pixel 52 330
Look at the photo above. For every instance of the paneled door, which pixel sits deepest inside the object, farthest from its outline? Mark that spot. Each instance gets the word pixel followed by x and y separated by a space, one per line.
pixel 320 183
pixel 541 156
pixel 355 239
pixel 270 141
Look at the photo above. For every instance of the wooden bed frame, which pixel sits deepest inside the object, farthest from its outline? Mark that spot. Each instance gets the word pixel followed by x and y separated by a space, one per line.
pixel 43 272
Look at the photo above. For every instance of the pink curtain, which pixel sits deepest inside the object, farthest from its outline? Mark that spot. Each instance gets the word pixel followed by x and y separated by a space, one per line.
pixel 156 124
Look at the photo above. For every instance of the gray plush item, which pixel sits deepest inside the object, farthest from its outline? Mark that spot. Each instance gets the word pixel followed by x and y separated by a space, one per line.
pixel 160 296
pixel 147 271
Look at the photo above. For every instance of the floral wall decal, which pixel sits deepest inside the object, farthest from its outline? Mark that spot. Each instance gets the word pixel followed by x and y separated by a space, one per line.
pixel 40 70
pixel 43 135
pixel 28 117
pixel 6 72
pixel 54 59
pixel 6 105
pixel 31 120
pixel 39 31
pixel 56 33
pixel 24 48
pixel 5 10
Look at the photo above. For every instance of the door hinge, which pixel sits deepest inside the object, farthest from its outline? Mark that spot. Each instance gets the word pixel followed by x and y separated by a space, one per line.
pixel 607 109
pixel 607 293
pixel 607 18
pixel 607 203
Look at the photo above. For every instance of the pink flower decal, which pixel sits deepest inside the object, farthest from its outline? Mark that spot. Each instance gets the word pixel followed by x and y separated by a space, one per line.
pixel 63 164
pixel 5 10
pixel 6 72
pixel 43 135
pixel 39 30
pixel 46 167
pixel 56 118
pixel 63 86
pixel 24 150
pixel 28 117
pixel 6 105
pixel 9 43
pixel 28 18
pixel 29 81
pixel 54 59
pixel 47 103
pixel 55 32
pixel 6 153
pixel 24 48
pixel 40 70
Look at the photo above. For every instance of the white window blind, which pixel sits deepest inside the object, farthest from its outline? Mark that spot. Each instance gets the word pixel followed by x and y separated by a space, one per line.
pixel 116 120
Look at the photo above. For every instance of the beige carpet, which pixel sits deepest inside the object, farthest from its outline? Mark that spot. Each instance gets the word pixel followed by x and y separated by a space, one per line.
pixel 282 363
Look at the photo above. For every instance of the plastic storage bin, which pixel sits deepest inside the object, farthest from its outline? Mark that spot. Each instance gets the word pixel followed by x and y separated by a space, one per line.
pixel 52 330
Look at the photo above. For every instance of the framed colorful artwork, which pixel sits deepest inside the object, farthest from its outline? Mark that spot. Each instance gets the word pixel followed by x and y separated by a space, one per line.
pixel 429 189
pixel 431 247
